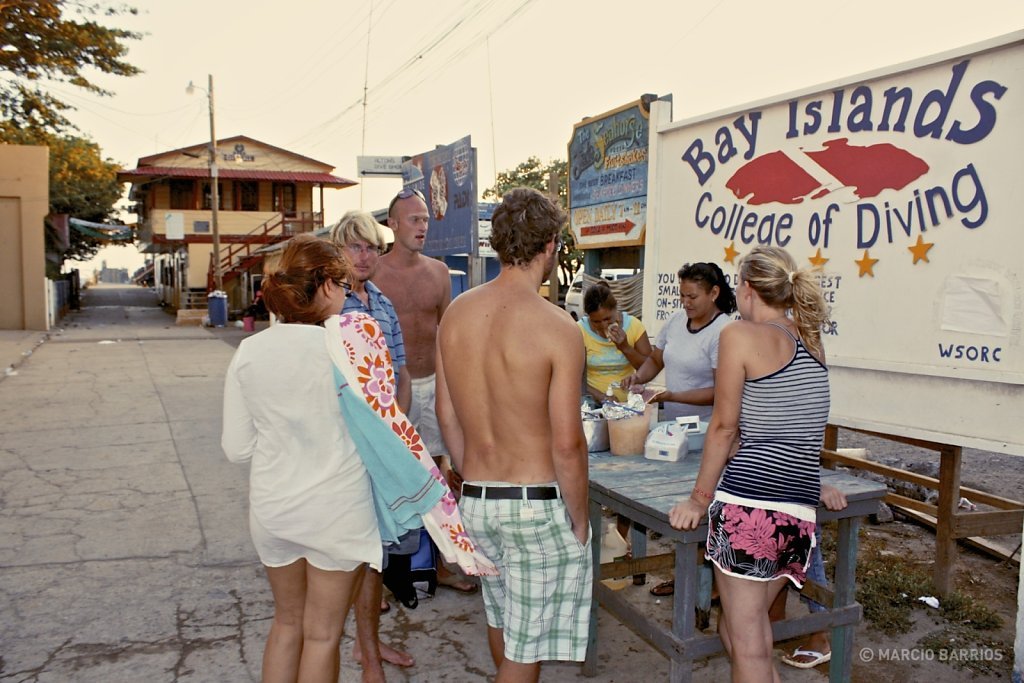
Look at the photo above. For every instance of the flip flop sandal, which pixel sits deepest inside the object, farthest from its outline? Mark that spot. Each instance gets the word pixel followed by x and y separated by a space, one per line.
pixel 816 658
pixel 664 589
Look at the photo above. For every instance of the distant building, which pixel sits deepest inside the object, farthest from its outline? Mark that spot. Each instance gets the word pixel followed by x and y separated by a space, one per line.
pixel 265 196
pixel 113 276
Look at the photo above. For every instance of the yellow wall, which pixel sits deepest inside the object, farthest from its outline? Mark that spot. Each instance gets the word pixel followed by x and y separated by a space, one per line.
pixel 228 222
pixel 24 203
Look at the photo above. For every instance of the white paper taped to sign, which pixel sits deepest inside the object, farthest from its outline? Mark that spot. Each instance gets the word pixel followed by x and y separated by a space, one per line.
pixel 175 225
pixel 974 304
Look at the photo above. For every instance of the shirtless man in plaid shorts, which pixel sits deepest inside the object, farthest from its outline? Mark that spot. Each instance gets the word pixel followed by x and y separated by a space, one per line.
pixel 508 402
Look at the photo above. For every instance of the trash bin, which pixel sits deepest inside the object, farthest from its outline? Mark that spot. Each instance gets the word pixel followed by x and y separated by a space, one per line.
pixel 217 305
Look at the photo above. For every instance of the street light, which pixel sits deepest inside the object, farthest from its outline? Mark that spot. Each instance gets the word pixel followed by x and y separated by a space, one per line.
pixel 218 281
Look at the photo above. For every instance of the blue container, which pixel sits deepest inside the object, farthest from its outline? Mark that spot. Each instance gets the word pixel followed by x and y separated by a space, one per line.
pixel 217 305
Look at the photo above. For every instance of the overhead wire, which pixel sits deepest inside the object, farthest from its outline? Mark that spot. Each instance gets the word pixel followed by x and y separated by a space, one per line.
pixel 100 103
pixel 389 84
pixel 86 105
pixel 313 74
pixel 482 35
pixel 428 45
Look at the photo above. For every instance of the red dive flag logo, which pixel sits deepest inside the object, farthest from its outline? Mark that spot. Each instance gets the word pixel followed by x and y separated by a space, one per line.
pixel 789 178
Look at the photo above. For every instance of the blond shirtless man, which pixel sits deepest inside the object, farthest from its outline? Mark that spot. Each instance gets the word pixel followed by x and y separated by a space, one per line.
pixel 420 290
pixel 508 401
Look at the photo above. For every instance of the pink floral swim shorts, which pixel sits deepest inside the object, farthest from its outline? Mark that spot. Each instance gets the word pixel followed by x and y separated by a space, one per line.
pixel 758 544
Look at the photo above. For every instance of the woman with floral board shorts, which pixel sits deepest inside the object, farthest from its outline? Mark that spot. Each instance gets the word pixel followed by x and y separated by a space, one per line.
pixel 771 407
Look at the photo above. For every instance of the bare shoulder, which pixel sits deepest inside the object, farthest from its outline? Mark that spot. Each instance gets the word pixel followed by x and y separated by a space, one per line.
pixel 436 268
pixel 554 322
pixel 738 329
pixel 466 300
pixel 738 334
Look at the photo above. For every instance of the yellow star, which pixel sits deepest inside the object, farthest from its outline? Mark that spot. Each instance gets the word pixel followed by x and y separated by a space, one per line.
pixel 731 253
pixel 920 250
pixel 866 265
pixel 817 261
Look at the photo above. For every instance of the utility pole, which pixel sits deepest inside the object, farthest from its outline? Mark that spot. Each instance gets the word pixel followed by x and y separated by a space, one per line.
pixel 553 191
pixel 366 95
pixel 218 280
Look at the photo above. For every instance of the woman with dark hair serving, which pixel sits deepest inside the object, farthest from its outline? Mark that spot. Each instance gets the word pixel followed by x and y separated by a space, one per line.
pixel 687 346
pixel 616 342
pixel 764 442
pixel 687 350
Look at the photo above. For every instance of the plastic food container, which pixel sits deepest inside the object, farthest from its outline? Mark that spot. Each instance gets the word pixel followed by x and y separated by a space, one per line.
pixel 628 435
pixel 596 431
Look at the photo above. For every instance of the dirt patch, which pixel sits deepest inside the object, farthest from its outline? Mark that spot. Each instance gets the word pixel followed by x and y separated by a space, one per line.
pixel 970 636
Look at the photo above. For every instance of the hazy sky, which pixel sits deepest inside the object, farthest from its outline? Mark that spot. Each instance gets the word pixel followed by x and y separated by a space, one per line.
pixel 513 74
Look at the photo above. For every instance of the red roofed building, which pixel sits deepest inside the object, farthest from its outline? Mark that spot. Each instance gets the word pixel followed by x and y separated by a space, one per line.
pixel 266 195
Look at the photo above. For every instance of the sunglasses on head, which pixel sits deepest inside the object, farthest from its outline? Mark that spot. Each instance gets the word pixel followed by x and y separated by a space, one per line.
pixel 405 193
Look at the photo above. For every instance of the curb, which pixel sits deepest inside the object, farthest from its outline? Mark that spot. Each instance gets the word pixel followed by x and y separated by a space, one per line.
pixel 12 367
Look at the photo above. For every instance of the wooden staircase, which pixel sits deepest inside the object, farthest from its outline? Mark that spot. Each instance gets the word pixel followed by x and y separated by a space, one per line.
pixel 239 255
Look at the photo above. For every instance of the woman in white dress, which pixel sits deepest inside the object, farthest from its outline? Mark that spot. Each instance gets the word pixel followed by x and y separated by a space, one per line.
pixel 311 512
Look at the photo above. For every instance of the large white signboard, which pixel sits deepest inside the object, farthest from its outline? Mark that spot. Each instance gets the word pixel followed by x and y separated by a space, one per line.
pixel 905 187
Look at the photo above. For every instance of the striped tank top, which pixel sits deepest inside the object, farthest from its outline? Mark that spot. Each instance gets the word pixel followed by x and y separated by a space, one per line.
pixel 782 428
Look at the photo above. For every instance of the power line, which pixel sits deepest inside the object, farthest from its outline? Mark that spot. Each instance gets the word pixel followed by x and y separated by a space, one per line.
pixel 414 64
pixel 430 44
pixel 396 93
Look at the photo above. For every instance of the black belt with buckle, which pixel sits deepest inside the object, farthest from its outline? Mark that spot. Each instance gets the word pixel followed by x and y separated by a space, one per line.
pixel 510 492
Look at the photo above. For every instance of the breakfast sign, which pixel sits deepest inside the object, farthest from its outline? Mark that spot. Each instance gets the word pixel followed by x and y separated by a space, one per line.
pixel 608 178
pixel 903 190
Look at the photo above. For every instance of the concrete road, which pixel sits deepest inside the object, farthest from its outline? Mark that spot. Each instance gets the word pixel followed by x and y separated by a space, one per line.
pixel 123 549
pixel 124 545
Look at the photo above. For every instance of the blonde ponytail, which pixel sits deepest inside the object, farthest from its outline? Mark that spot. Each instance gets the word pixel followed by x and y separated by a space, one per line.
pixel 810 312
pixel 773 274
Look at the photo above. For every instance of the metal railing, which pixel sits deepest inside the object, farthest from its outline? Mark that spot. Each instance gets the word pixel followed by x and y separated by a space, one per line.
pixel 239 256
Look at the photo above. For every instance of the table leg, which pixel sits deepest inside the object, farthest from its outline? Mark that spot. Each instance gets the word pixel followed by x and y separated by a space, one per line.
pixel 638 542
pixel 705 577
pixel 590 663
pixel 845 586
pixel 684 600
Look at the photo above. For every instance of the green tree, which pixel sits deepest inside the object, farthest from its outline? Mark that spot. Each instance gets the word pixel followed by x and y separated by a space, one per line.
pixel 82 183
pixel 55 41
pixel 533 173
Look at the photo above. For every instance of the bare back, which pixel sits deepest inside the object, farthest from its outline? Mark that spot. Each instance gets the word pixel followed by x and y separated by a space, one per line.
pixel 420 294
pixel 768 348
pixel 512 364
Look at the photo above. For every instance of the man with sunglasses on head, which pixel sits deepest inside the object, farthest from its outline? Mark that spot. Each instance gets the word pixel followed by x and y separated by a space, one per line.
pixel 421 289
pixel 508 399
pixel 362 241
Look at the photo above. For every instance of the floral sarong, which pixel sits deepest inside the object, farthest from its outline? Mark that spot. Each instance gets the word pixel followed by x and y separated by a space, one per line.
pixel 361 356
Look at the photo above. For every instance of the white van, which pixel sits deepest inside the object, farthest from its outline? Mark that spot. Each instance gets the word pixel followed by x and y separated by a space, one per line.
pixel 574 297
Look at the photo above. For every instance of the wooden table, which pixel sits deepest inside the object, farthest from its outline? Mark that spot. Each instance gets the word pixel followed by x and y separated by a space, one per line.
pixel 644 491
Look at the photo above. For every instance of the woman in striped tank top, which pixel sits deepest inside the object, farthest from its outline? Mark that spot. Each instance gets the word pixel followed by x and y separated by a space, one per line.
pixel 764 443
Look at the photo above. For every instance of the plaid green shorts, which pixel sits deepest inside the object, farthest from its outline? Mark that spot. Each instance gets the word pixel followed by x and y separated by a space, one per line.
pixel 541 597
